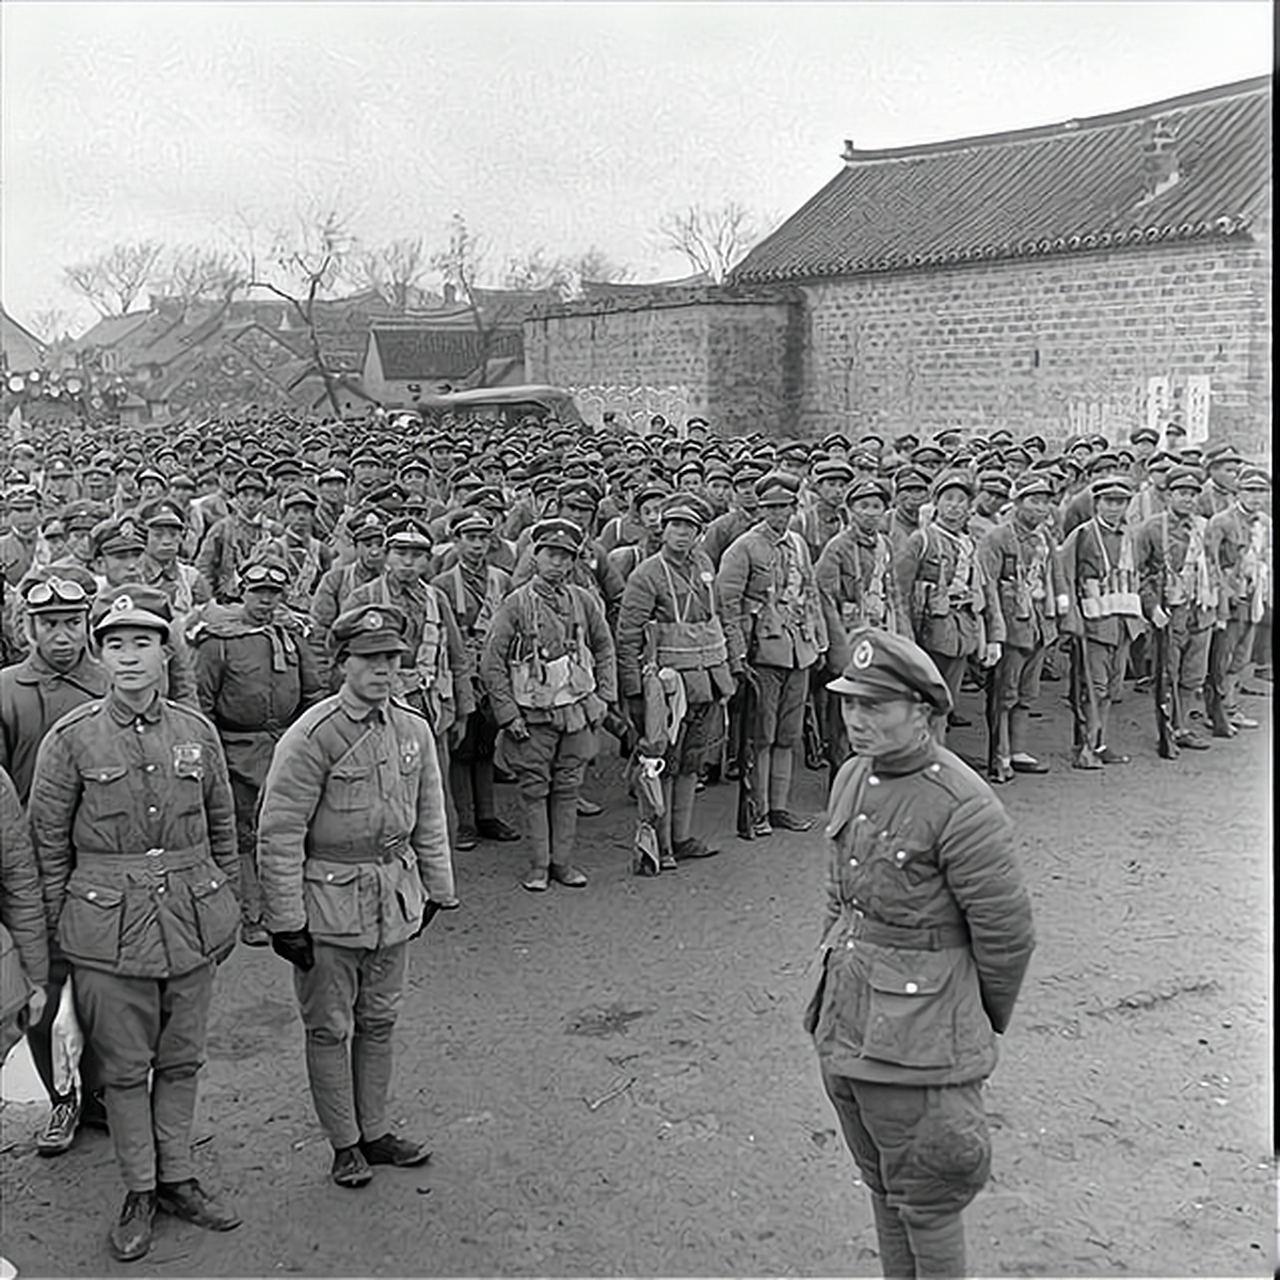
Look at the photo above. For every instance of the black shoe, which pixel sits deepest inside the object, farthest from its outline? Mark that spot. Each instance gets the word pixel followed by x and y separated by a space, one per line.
pixel 189 1201
pixel 464 839
pixel 781 820
pixel 350 1168
pixel 956 721
pixel 132 1232
pixel 1029 764
pixel 496 829
pixel 391 1149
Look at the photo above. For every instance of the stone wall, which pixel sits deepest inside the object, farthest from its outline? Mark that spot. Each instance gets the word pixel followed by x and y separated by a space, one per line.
pixel 1094 342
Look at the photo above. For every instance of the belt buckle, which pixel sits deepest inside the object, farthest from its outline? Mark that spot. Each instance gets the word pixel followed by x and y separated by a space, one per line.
pixel 153 853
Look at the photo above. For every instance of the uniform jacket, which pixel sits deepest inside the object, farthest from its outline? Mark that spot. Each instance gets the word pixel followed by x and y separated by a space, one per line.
pixel 1092 561
pixel 21 905
pixel 182 583
pixel 227 546
pixel 724 531
pixel 474 601
pixel 859 589
pixel 592 571
pixel 1238 545
pixel 928 930
pixel 760 624
pixel 1165 578
pixel 252 683
pixel 568 620
pixel 949 609
pixel 34 696
pixel 135 835
pixel 351 835
pixel 817 525
pixel 16 556
pixel 649 597
pixel 1023 581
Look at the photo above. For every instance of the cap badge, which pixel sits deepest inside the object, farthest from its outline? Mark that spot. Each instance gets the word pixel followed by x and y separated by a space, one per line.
pixel 121 603
pixel 372 622
pixel 862 654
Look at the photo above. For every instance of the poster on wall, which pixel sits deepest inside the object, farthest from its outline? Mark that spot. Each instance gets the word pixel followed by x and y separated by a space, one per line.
pixel 1197 402
pixel 1157 401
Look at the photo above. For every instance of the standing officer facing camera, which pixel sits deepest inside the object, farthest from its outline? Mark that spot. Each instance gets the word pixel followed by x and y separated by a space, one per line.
pixel 134 829
pixel 353 860
pixel 927 937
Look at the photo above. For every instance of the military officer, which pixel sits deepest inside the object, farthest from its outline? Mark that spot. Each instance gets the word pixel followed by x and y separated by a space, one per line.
pixel 353 860
pixel 927 936
pixel 134 829
pixel 550 669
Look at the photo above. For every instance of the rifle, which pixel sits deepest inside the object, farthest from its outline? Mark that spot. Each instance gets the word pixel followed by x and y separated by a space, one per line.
pixel 748 706
pixel 1165 690
pixel 992 710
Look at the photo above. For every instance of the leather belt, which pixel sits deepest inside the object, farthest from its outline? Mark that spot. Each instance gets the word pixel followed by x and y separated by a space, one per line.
pixel 388 849
pixel 151 860
pixel 879 934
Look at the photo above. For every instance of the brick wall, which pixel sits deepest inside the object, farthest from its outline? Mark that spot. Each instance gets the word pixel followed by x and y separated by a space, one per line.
pixel 1055 346
pixel 733 359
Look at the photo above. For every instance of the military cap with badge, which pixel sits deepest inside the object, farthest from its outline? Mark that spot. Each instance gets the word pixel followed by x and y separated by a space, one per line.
pixel 885 666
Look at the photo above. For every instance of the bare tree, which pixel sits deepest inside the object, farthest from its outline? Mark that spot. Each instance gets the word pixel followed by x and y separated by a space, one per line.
pixel 308 261
pixel 396 270
pixel 596 265
pixel 537 272
pixel 49 324
pixel 113 279
pixel 194 274
pixel 461 264
pixel 712 240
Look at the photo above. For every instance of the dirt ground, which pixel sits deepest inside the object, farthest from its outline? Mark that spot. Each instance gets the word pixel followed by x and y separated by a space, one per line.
pixel 615 1081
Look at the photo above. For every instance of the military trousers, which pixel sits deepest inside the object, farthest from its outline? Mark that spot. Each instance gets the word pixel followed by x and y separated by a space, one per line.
pixel 148 1035
pixel 1230 652
pixel 549 767
pixel 924 1153
pixel 247 798
pixel 349 1003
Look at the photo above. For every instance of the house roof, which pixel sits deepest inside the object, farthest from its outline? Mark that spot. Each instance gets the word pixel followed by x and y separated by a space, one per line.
pixel 1059 188
pixel 412 352
pixel 112 329
pixel 20 347
pixel 593 289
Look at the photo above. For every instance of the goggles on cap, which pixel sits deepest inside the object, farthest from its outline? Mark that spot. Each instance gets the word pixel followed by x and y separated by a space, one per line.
pixel 59 590
pixel 265 575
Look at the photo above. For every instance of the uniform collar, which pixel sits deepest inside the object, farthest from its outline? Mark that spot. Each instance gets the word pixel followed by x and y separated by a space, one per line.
pixel 122 713
pixel 358 709
pixel 35 670
pixel 912 760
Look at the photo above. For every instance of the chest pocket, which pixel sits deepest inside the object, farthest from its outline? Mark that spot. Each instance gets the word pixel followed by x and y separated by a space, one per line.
pixel 350 788
pixel 106 790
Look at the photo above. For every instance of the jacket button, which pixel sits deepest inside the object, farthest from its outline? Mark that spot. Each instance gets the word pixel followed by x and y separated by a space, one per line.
pixel 853 862
pixel 911 988
pixel 149 768
pixel 329 876
pixel 901 855
pixel 91 896
pixel 873 781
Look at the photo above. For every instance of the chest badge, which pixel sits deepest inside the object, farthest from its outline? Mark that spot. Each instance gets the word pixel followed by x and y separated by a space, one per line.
pixel 188 760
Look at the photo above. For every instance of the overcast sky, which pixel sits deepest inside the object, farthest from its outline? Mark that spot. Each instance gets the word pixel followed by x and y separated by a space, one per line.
pixel 564 126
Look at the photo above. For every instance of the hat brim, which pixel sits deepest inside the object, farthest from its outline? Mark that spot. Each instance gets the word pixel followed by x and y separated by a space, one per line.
pixel 114 619
pixel 370 643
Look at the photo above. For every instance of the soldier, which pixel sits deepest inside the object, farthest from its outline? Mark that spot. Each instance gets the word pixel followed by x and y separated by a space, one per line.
pixel 744 514
pixel 910 493
pixel 994 490
pixel 333 595
pixel 18 545
pixel 1018 563
pixel 353 859
pixel 551 673
pixel 1222 467
pixel 927 936
pixel 132 819
pixel 774 623
pixel 941 581
pixel 1101 608
pixel 160 566
pixel 674 592
pixel 474 590
pixel 229 543
pixel 1179 594
pixel 1238 544
pixel 825 515
pixel 58 675
pixel 255 674
pixel 306 557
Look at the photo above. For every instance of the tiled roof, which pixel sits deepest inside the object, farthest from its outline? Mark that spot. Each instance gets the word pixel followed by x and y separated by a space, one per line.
pixel 111 329
pixel 1060 188
pixel 414 352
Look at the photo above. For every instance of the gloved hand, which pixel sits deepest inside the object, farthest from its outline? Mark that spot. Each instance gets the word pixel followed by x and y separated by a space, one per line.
pixel 295 946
